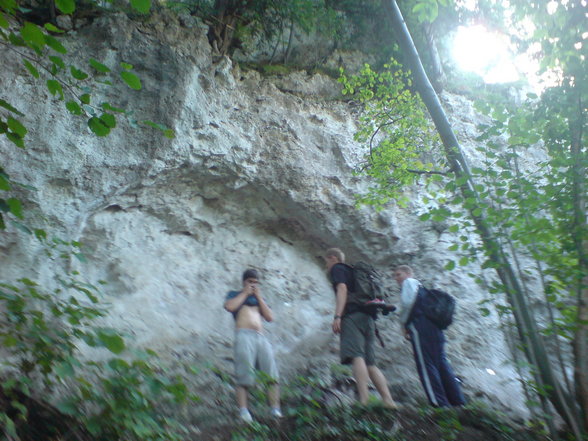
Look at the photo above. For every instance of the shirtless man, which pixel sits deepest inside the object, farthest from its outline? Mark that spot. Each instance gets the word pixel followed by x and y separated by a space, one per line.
pixel 252 348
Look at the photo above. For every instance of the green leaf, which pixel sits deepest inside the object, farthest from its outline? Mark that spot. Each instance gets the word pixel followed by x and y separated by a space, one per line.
pixel 15 207
pixel 109 120
pixel 32 69
pixel 54 44
pixel 143 6
pixel 52 28
pixel 78 74
pixel 3 22
pixel 68 407
pixel 33 35
pixel 54 87
pixel 169 133
pixel 464 261
pixel 98 66
pixel 450 265
pixel 16 127
pixel 111 341
pixel 108 107
pixel 4 182
pixel 98 127
pixel 16 40
pixel 8 106
pixel 85 98
pixel 126 66
pixel 57 61
pixel 73 107
pixel 65 369
pixel 131 79
pixel 66 6
pixel 17 140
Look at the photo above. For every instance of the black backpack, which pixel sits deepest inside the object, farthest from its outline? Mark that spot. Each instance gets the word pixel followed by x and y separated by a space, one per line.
pixel 367 284
pixel 438 306
pixel 367 290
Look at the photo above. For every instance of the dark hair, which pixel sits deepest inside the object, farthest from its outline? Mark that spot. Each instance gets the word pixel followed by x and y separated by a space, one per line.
pixel 250 274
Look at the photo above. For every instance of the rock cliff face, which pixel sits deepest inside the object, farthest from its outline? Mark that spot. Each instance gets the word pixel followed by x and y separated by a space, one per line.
pixel 260 174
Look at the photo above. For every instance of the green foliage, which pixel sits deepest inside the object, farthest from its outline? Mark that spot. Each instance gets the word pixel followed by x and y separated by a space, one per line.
pixel 398 136
pixel 44 56
pixel 127 400
pixel 532 208
pixel 40 333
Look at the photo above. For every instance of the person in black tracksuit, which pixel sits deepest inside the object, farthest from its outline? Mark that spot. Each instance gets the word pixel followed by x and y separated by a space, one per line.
pixel 428 343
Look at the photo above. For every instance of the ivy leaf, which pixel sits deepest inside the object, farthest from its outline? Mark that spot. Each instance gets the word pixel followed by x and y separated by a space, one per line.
pixel 143 6
pixel 52 28
pixel 16 127
pixel 78 74
pixel 32 69
pixel 73 107
pixel 98 127
pixel 107 106
pixel 57 61
pixel 8 106
pixel 4 183
pixel 33 35
pixel 98 66
pixel 16 40
pixel 40 234
pixel 3 22
pixel 17 140
pixel 55 88
pixel 108 120
pixel 54 44
pixel 131 79
pixel 111 341
pixel 15 207
pixel 66 6
pixel 68 407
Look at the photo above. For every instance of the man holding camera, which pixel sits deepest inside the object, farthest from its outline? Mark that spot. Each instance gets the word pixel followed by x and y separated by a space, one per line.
pixel 357 329
pixel 252 349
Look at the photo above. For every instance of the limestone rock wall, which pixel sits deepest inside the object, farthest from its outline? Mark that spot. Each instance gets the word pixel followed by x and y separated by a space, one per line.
pixel 260 174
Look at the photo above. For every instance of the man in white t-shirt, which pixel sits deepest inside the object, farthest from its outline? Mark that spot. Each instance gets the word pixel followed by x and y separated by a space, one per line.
pixel 428 343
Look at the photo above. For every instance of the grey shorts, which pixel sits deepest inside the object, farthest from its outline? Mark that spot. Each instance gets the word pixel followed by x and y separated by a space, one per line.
pixel 253 351
pixel 358 336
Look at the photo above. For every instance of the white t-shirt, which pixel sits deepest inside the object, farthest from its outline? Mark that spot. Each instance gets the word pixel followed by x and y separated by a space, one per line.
pixel 408 296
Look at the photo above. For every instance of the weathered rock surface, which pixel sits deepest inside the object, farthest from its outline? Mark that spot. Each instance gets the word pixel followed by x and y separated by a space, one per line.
pixel 260 174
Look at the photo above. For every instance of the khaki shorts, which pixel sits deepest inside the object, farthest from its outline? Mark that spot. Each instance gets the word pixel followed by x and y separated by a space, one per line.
pixel 358 336
pixel 253 352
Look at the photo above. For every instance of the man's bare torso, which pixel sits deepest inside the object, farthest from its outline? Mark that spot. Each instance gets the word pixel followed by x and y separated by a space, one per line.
pixel 249 317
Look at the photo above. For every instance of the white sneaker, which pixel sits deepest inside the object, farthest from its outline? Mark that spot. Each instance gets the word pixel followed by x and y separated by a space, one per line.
pixel 245 415
pixel 276 412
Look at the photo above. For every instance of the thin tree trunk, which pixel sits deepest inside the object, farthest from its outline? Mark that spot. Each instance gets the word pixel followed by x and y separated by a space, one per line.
pixel 526 325
pixel 579 160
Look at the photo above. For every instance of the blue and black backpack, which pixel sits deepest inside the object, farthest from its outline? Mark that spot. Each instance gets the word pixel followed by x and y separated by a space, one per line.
pixel 438 306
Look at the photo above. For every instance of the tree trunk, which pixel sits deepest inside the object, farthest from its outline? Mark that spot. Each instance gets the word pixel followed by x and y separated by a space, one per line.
pixel 579 161
pixel 526 325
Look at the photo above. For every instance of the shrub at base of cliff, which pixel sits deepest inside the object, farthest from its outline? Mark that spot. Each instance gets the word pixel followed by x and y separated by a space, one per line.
pixel 311 414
